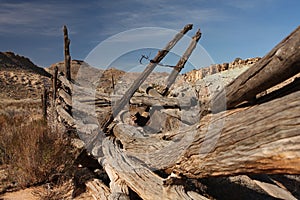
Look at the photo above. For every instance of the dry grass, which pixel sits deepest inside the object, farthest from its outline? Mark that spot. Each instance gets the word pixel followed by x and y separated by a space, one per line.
pixel 33 152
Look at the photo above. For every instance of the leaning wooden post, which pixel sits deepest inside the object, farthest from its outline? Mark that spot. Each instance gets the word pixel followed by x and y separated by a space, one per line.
pixel 180 65
pixel 150 67
pixel 54 83
pixel 67 53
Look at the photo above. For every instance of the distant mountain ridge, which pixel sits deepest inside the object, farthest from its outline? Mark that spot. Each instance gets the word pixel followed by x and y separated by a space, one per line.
pixel 12 61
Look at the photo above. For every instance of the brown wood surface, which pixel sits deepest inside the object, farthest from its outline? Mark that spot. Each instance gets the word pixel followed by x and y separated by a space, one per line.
pixel 281 63
pixel 139 178
pixel 260 139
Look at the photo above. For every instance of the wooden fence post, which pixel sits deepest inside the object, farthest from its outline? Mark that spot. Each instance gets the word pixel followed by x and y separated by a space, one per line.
pixel 44 103
pixel 67 53
pixel 54 83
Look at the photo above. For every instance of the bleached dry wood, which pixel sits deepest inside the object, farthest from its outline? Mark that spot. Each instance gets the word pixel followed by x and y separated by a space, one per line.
pixel 65 96
pixel 161 101
pixel 281 63
pixel 65 82
pixel 98 190
pixel 274 190
pixel 138 177
pixel 260 139
pixel 65 116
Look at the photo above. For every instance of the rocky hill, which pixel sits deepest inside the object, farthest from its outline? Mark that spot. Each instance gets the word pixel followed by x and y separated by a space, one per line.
pixel 20 78
pixel 10 61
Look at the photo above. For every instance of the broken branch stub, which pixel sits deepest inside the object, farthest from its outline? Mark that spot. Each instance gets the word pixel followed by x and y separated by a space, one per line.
pixel 137 83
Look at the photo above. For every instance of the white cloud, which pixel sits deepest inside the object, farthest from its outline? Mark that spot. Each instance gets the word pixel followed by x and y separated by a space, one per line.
pixel 246 4
pixel 158 13
pixel 33 17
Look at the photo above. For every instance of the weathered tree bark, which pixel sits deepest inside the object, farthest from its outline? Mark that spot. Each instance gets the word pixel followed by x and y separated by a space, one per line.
pixel 281 63
pixel 139 178
pixel 137 83
pixel 260 139
pixel 67 53
pixel 180 65
pixel 98 190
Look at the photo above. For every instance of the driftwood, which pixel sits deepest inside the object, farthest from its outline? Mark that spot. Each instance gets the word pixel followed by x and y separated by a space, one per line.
pixel 150 67
pixel 281 63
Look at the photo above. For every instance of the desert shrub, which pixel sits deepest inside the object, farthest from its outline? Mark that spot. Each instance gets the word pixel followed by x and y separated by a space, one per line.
pixel 33 152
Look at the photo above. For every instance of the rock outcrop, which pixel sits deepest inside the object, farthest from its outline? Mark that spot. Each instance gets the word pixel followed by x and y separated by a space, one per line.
pixel 11 61
pixel 195 75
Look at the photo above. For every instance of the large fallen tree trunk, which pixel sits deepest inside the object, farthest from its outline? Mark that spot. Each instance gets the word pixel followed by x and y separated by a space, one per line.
pixel 260 139
pixel 281 63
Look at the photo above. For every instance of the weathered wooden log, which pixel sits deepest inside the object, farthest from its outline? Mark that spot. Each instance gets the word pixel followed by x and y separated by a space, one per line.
pixel 281 63
pixel 137 83
pixel 66 117
pixel 139 178
pixel 65 83
pixel 260 139
pixel 160 101
pixel 67 53
pixel 66 97
pixel 180 65
pixel 274 190
pixel 98 190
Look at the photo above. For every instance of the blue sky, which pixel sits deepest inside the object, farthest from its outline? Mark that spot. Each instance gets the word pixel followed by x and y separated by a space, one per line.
pixel 231 28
